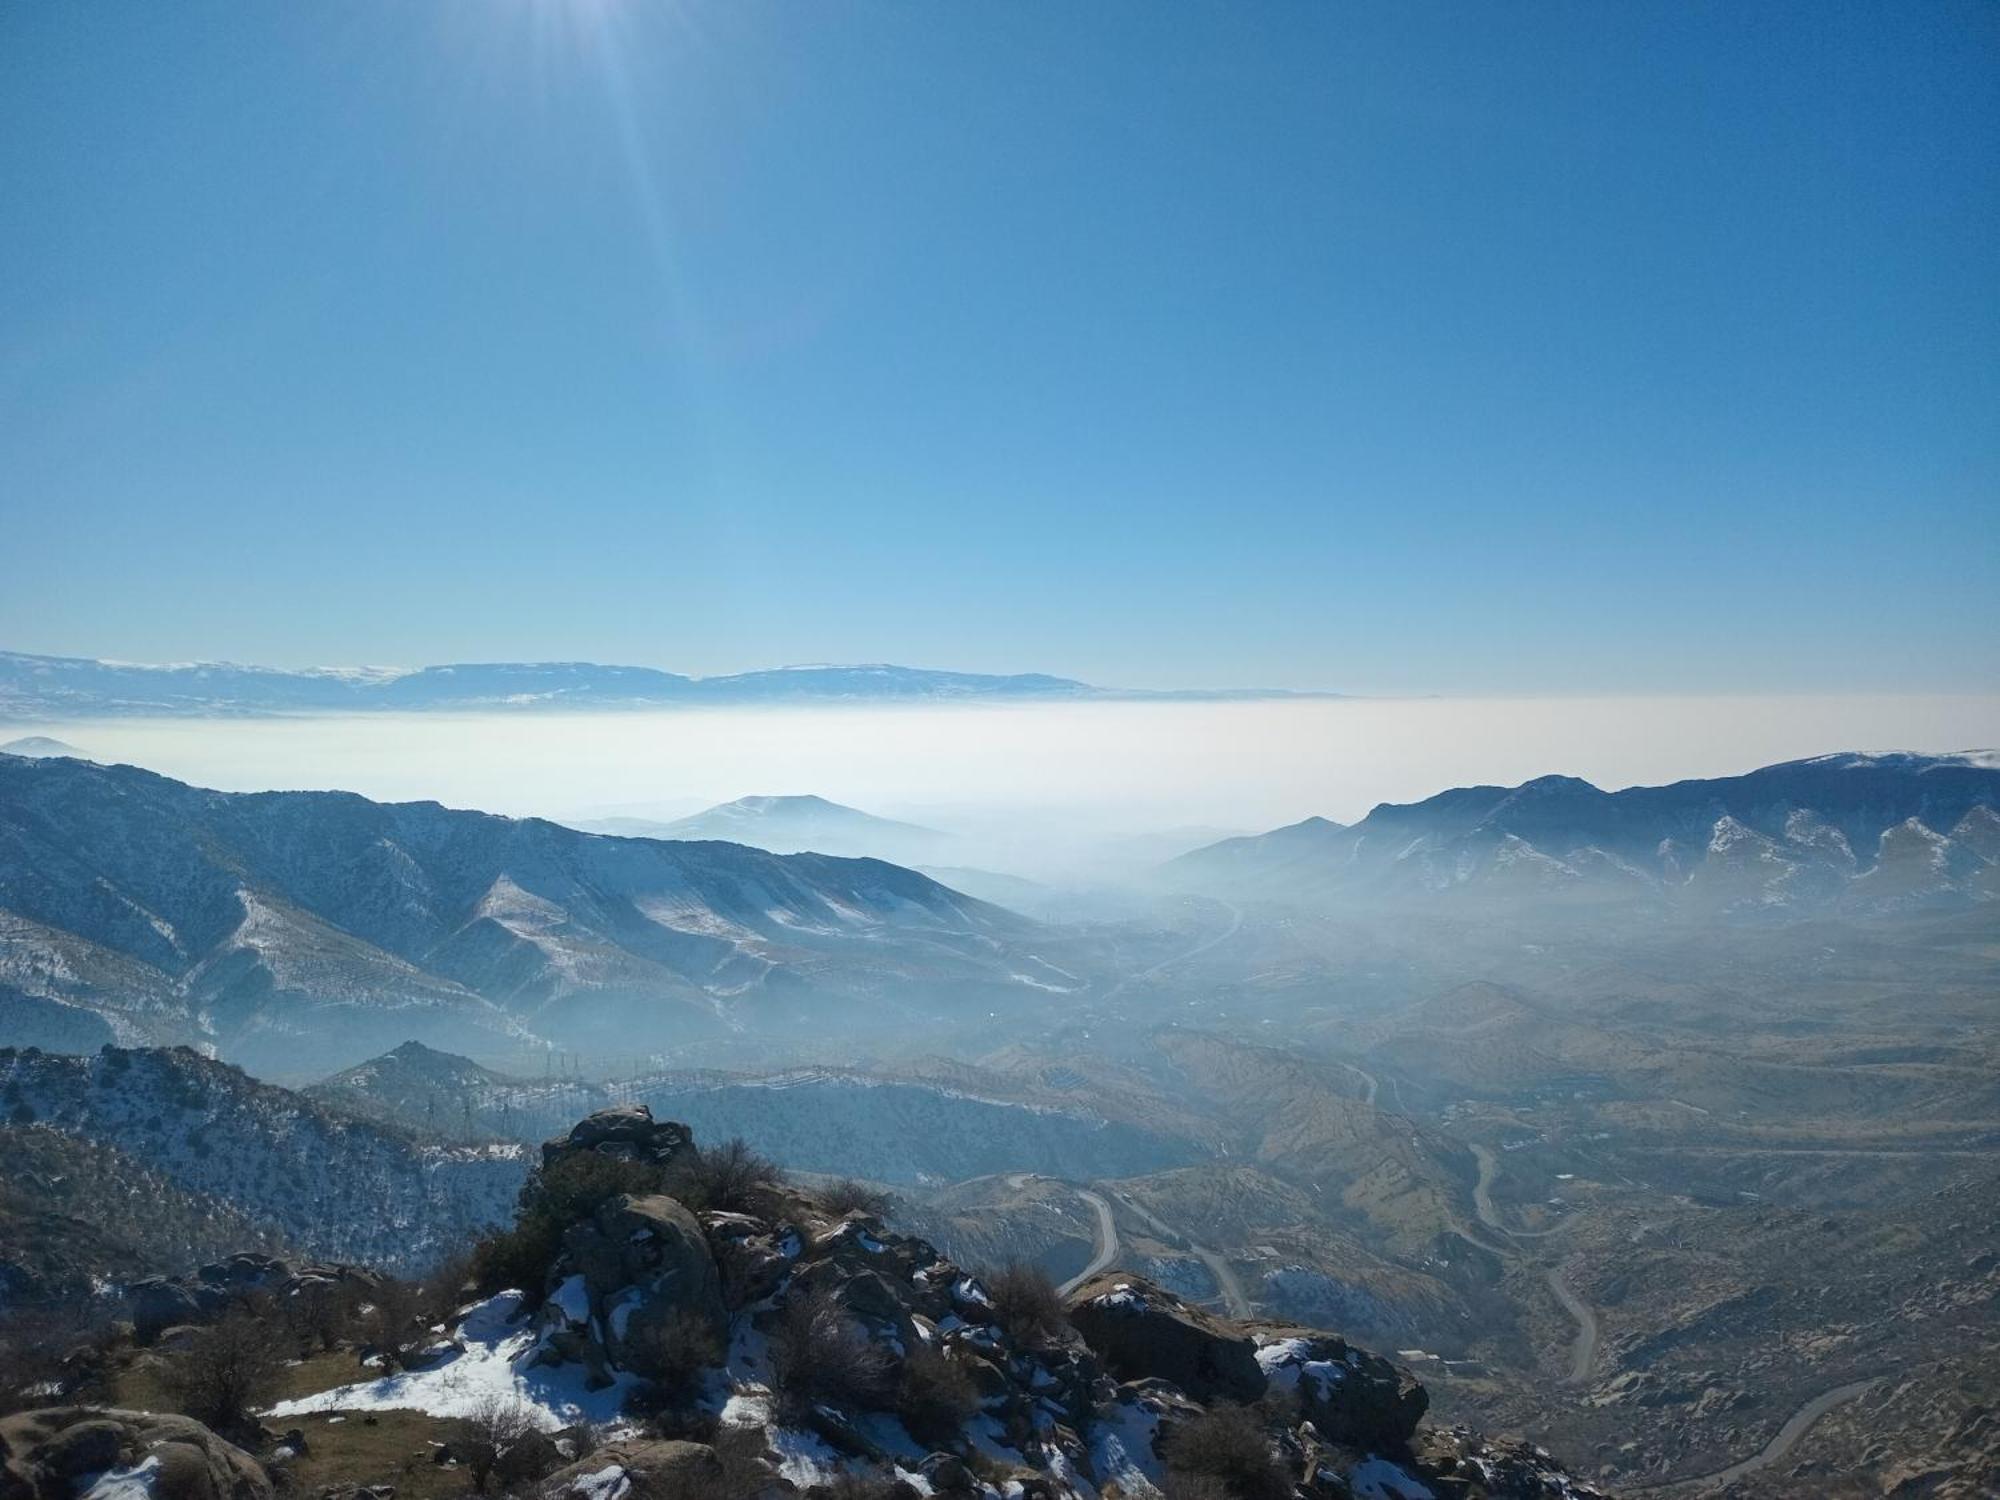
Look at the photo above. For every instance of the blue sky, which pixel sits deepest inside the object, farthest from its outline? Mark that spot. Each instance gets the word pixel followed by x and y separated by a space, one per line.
pixel 1537 348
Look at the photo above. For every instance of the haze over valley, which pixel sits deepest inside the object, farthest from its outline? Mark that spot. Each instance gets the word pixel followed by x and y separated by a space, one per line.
pixel 1018 751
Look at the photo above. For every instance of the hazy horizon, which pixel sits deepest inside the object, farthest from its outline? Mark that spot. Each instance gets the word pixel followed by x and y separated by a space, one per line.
pixel 1095 768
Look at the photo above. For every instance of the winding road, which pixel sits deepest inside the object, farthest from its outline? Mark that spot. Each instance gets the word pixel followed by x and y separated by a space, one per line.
pixel 1799 1424
pixel 1366 1077
pixel 1235 926
pixel 1107 1241
pixel 1582 1348
pixel 1235 1301
pixel 1107 1246
pixel 1482 1199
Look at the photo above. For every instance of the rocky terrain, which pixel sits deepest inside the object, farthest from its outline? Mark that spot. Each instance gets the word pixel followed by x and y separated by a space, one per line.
pixel 938 1124
pixel 269 925
pixel 665 1319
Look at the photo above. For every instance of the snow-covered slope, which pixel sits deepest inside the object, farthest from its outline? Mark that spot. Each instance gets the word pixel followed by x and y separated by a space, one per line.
pixel 1851 831
pixel 332 1185
pixel 298 930
pixel 836 1121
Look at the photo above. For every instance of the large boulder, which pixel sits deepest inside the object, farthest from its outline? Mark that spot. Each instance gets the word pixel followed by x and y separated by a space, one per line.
pixel 627 1131
pixel 638 1470
pixel 59 1453
pixel 158 1304
pixel 1142 1331
pixel 635 1263
pixel 1349 1395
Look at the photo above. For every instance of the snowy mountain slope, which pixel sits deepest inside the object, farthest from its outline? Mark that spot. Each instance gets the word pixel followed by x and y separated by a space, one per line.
pixel 39 746
pixel 1861 832
pixel 332 1185
pixel 272 922
pixel 794 825
pixel 75 1213
pixel 891 1128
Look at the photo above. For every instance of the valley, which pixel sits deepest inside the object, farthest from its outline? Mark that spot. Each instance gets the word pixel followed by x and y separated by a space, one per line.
pixel 1675 1199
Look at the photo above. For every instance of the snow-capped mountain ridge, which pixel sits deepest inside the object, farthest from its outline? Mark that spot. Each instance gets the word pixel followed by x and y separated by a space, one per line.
pixel 45 687
pixel 264 922
pixel 1848 828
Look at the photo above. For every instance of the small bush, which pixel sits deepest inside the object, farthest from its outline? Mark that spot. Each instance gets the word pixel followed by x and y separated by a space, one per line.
pixel 501 1442
pixel 223 1373
pixel 672 1352
pixel 552 1199
pixel 394 1322
pixel 1026 1303
pixel 820 1354
pixel 1228 1446
pixel 443 1291
pixel 936 1396
pixel 849 1196
pixel 318 1315
pixel 729 1176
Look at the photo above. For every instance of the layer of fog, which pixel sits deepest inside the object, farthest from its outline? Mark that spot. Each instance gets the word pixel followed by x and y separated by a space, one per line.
pixel 1036 786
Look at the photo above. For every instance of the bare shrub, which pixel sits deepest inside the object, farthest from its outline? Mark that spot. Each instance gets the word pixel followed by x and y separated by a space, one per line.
pixel 1026 1303
pixel 501 1441
pixel 1227 1445
pixel 552 1199
pixel 224 1372
pixel 729 1176
pixel 820 1354
pixel 936 1396
pixel 318 1314
pixel 851 1196
pixel 672 1351
pixel 394 1321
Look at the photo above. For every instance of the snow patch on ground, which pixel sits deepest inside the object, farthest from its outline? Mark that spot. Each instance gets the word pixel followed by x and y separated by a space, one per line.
pixel 1378 1479
pixel 491 1368
pixel 135 1483
pixel 1121 1449
pixel 611 1483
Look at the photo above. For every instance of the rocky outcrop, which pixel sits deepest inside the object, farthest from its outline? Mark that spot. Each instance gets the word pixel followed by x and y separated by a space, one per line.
pixel 634 1266
pixel 1142 1331
pixel 63 1452
pixel 158 1303
pixel 638 1471
pixel 1349 1395
pixel 626 1131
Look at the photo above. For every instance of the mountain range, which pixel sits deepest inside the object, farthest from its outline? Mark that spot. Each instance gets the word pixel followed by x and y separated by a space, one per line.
pixel 38 687
pixel 792 825
pixel 1858 832
pixel 284 926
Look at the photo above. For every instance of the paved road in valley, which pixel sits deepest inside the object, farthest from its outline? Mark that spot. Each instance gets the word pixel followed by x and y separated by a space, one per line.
pixel 1107 1242
pixel 1366 1077
pixel 1582 1348
pixel 1787 1439
pixel 1107 1246
pixel 1235 1301
pixel 1235 926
